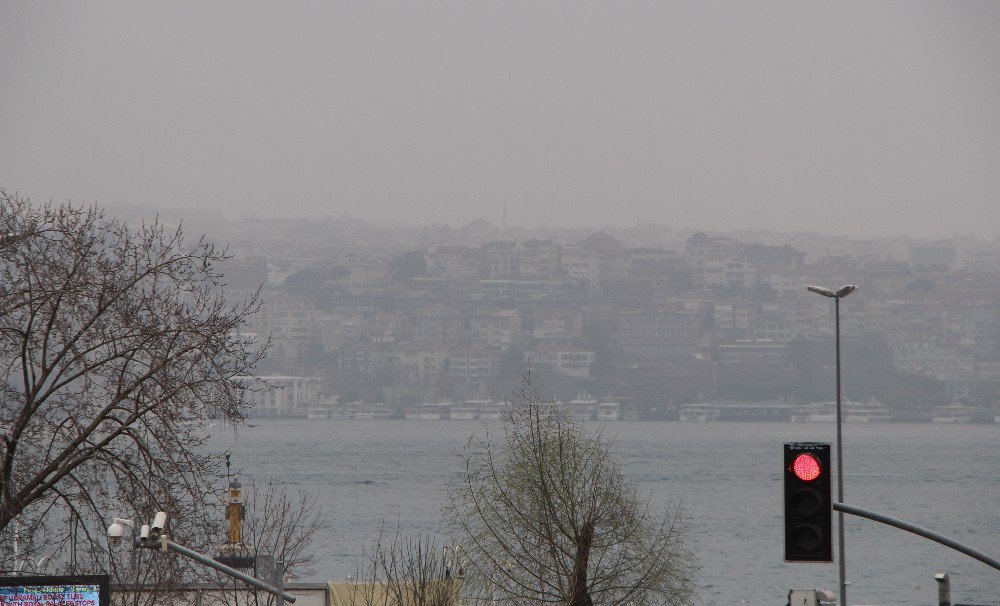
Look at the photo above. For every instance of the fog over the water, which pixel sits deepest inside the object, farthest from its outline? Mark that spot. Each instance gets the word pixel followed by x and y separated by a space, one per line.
pixel 867 118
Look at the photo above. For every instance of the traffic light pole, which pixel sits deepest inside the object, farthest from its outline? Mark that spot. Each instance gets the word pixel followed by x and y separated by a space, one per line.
pixel 917 530
pixel 841 557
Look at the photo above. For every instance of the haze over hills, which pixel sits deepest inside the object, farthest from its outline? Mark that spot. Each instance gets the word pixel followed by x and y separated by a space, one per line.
pixel 656 317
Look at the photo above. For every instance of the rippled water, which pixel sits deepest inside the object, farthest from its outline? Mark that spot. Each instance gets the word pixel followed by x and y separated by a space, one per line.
pixel 728 476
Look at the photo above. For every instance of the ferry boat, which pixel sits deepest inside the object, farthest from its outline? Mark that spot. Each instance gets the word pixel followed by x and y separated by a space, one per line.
pixel 609 411
pixel 725 410
pixel 319 411
pixel 490 410
pixel 850 412
pixel 430 411
pixel 369 412
pixel 698 413
pixel 326 408
pixel 467 411
pixel 953 413
pixel 583 407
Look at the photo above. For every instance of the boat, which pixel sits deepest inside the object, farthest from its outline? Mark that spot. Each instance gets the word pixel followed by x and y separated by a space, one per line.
pixel 698 413
pixel 430 411
pixel 326 408
pixel 609 411
pixel 319 412
pixel 582 407
pixel 369 412
pixel 953 413
pixel 850 412
pixel 490 410
pixel 467 411
pixel 726 410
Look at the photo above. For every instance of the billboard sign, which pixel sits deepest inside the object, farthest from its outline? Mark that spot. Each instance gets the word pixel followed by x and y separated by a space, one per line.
pixel 76 590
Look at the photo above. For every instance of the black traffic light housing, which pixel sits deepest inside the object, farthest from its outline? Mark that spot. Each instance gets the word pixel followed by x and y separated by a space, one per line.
pixel 808 505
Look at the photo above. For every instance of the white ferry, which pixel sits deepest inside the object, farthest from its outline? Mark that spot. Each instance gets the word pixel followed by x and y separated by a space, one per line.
pixel 430 411
pixel 327 408
pixel 467 411
pixel 699 413
pixel 727 410
pixel 851 412
pixel 583 407
pixel 953 413
pixel 376 411
pixel 609 411
pixel 319 411
pixel 489 410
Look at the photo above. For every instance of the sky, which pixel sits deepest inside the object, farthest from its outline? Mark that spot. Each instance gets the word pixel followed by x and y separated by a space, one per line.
pixel 847 118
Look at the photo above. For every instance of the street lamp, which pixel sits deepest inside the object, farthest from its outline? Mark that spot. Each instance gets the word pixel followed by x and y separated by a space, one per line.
pixel 154 536
pixel 837 295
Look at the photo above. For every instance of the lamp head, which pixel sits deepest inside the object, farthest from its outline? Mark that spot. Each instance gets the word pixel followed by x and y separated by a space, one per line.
pixel 819 290
pixel 846 290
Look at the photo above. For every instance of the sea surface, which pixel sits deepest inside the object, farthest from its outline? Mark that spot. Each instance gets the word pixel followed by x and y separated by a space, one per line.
pixel 945 478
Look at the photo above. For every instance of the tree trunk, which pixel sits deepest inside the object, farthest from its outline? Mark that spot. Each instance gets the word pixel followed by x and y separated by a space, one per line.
pixel 581 591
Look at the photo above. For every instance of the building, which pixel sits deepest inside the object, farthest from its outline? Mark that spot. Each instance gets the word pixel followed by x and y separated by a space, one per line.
pixel 280 395
pixel 660 332
pixel 500 329
pixel 566 362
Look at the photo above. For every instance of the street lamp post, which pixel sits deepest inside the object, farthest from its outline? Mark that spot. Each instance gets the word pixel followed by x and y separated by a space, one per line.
pixel 837 296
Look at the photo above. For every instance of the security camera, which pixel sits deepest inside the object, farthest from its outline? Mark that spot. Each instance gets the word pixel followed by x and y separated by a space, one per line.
pixel 144 533
pixel 159 522
pixel 116 532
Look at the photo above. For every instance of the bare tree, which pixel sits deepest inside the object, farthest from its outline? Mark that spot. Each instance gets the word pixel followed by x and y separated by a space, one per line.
pixel 548 518
pixel 407 571
pixel 116 344
pixel 283 525
pixel 277 526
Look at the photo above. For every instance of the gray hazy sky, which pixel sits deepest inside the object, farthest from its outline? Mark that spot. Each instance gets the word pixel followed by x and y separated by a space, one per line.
pixel 874 118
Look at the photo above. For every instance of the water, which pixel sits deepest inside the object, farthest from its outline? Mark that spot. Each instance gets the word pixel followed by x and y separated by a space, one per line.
pixel 728 476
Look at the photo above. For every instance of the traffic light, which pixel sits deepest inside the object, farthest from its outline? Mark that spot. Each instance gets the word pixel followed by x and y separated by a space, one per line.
pixel 808 506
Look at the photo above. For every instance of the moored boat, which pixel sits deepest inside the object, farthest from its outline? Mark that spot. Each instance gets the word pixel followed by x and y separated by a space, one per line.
pixel 850 412
pixel 465 412
pixel 609 411
pixel 489 410
pixel 582 407
pixel 953 413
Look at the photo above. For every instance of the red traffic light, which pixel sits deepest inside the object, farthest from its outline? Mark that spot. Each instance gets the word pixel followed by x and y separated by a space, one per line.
pixel 806 467
pixel 808 506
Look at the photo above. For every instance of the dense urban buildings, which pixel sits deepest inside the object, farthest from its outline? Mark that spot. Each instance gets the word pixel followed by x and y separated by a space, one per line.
pixel 654 317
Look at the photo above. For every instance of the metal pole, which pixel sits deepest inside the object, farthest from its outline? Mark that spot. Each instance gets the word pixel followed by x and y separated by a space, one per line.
pixel 840 467
pixel 207 561
pixel 278 578
pixel 920 532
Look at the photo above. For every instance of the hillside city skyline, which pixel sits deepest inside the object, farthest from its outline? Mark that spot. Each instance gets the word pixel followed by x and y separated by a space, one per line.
pixel 657 317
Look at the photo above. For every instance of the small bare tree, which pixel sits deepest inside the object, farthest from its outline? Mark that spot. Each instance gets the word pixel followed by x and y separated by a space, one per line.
pixel 407 571
pixel 278 524
pixel 116 344
pixel 548 518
